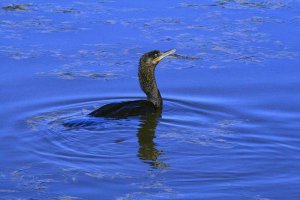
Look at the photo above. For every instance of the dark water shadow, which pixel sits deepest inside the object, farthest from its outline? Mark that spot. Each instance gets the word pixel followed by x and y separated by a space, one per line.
pixel 16 7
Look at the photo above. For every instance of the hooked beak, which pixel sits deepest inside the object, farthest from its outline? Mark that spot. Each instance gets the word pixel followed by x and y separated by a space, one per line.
pixel 163 55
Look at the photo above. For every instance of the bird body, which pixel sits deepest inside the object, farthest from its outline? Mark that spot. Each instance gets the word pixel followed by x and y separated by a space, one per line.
pixel 148 84
pixel 126 108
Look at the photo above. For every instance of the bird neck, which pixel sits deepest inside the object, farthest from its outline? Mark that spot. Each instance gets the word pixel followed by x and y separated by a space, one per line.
pixel 149 86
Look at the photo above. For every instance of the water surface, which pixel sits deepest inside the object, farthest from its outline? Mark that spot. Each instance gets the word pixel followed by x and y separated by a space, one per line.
pixel 231 118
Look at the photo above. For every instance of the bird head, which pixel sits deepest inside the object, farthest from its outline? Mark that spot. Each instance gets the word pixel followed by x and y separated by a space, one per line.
pixel 152 58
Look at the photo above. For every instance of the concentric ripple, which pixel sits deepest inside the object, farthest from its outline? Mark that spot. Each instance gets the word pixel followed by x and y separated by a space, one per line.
pixel 68 134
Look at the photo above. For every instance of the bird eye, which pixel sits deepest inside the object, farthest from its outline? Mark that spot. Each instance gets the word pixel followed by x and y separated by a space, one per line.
pixel 156 55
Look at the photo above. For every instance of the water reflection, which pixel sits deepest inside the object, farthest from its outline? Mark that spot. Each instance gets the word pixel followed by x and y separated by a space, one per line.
pixel 145 132
pixel 148 152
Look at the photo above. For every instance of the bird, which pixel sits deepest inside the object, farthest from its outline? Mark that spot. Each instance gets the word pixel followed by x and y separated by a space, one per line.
pixel 146 75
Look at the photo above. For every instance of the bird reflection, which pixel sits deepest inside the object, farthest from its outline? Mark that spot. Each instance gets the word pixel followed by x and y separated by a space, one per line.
pixel 148 152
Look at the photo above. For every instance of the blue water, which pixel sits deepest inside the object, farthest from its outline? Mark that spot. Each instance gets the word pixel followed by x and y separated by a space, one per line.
pixel 230 127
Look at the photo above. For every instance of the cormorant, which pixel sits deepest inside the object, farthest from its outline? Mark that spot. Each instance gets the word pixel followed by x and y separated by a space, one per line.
pixel 148 84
